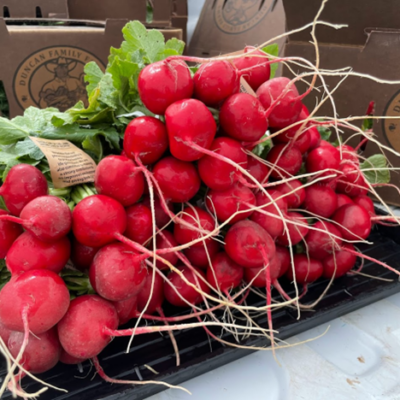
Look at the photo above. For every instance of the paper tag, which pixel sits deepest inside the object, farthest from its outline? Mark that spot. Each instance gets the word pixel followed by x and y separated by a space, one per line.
pixel 246 88
pixel 69 165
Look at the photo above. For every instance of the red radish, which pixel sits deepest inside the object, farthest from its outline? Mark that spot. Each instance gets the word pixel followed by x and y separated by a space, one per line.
pixel 117 272
pixel 81 331
pixel 189 121
pixel 248 244
pixel 223 273
pixel 342 199
pixel 215 81
pixel 286 160
pixel 323 157
pixel 295 199
pixel 303 142
pixel 157 297
pixel 126 309
pixel 339 263
pixel 162 217
pixel 217 174
pixel 256 276
pixel 41 294
pixel 96 219
pixel 321 244
pixel 166 240
pixel 273 224
pixel 146 138
pixel 66 358
pixel 320 200
pixel 352 182
pixel 191 295
pixel 225 203
pixel 257 170
pixel 178 180
pixel 288 108
pixel 348 153
pixel 162 83
pixel 296 232
pixel 242 117
pixel 139 226
pixel 118 177
pixel 282 256
pixel 198 218
pixel 307 269
pixel 315 137
pixel 9 231
pixel 366 203
pixel 354 222
pixel 255 66
pixel 22 184
pixel 28 253
pixel 81 255
pixel 197 255
pixel 41 353
pixel 4 333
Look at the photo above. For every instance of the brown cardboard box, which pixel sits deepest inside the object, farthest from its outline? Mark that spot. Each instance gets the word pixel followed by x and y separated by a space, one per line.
pixel 374 51
pixel 34 8
pixel 226 26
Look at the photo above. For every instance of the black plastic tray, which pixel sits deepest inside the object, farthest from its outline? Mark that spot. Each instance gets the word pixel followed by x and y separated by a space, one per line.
pixel 347 294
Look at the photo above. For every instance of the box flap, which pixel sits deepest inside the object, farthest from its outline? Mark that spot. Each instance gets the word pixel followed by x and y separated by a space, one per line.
pixel 33 8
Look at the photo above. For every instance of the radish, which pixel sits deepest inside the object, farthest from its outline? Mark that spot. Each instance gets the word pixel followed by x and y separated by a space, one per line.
pixel 4 333
pixel 118 177
pixel 162 83
pixel 315 138
pixel 284 112
pixel 81 331
pixel 216 173
pixel 126 309
pixel 257 170
pixel 254 69
pixel 28 253
pixel 189 121
pixel 352 182
pixel 22 184
pixel 178 180
pixel 36 299
pixel 302 142
pixel 227 202
pixel 307 269
pixel 349 153
pixel 81 255
pixel 248 244
pixel 342 199
pixel 242 117
pixel 166 240
pixel 157 297
pixel 297 193
pixel 9 232
pixel 139 226
pixel 197 255
pixel 320 200
pixel 321 244
pixel 215 81
pixel 66 358
pixel 296 232
pixel 282 256
pixel 145 138
pixel 339 263
pixel 117 272
pixel 366 203
pixel 354 222
pixel 323 157
pixel 162 218
pixel 286 160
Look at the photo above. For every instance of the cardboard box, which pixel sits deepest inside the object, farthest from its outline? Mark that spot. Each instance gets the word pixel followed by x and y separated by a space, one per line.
pixel 226 26
pixel 34 8
pixel 370 45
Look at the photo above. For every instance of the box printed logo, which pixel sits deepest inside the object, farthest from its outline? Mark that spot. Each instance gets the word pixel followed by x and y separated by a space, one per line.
pixel 391 127
pixel 52 77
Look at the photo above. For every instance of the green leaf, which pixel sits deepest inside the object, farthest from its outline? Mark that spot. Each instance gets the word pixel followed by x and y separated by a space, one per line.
pixel 262 149
pixel 93 75
pixel 273 50
pixel 175 44
pixel 107 93
pixel 121 72
pixel 324 132
pixel 10 131
pixel 380 174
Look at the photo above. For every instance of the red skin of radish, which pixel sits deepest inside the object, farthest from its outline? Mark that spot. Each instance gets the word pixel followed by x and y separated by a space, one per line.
pixel 117 177
pixel 307 269
pixel 289 107
pixel 117 273
pixel 259 71
pixel 323 157
pixel 166 241
pixel 365 202
pixel 9 232
pixel 257 170
pixel 189 121
pixel 320 244
pixel 320 200
pixel 215 81
pixel 28 253
pixel 303 142
pixel 139 226
pixel 81 331
pixel 296 232
pixel 157 297
pixel 126 309
pixel 225 203
pixel 66 358
pixel 96 219
pixel 147 138
pixel 342 199
pixel 244 241
pixel 315 138
pixel 197 255
pixel 257 275
pixel 199 219
pixel 43 291
pixel 342 262
pixel 287 158
pixel 352 176
pixel 217 174
pixel 223 273
pixel 22 184
pixel 162 217
pixel 178 180
pixel 349 153
pixel 354 221
pixel 186 291
pixel 81 255
pixel 273 225
pixel 242 117
pixel 164 82
pixel 41 353
pixel 282 256
pixel 4 333
pixel 295 199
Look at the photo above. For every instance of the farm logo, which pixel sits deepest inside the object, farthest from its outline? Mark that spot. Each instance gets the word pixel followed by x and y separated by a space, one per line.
pixel 52 77
pixel 237 16
pixel 391 127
